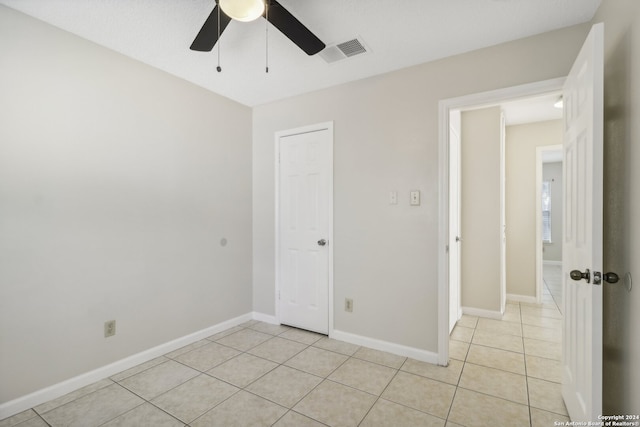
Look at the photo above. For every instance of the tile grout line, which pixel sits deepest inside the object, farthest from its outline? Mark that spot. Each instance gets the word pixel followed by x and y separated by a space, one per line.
pixel 524 358
pixel 455 391
pixel 41 414
pixel 210 409
pixel 209 375
pixel 464 364
pixel 38 416
pixel 145 401
pixel 524 362
pixel 526 374
pixel 323 378
pixel 381 393
pixel 244 388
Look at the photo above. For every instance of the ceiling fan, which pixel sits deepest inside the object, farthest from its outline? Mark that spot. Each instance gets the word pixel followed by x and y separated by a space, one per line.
pixel 271 10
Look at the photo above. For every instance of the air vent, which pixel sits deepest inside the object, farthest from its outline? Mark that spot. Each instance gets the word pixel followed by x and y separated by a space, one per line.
pixel 352 48
pixel 344 50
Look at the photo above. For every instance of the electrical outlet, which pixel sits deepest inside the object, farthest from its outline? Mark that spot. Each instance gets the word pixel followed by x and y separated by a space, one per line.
pixel 348 305
pixel 109 328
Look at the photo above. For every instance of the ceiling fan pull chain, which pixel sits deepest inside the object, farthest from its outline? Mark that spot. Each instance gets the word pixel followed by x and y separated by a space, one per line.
pixel 219 68
pixel 266 33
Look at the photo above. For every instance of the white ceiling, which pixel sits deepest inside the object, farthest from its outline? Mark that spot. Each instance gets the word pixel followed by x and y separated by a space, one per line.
pixel 533 109
pixel 398 34
pixel 552 156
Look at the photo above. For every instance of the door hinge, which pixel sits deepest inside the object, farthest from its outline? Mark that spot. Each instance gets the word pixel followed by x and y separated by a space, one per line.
pixel 278 294
pixel 447 248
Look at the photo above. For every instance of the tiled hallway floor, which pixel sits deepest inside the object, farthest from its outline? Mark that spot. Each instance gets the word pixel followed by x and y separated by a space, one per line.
pixel 552 275
pixel 501 373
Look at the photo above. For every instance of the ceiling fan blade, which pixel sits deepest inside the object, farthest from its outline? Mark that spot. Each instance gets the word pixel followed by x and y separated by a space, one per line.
pixel 284 21
pixel 208 35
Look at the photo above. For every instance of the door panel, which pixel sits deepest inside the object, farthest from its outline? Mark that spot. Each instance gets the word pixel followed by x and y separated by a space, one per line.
pixel 304 221
pixel 582 249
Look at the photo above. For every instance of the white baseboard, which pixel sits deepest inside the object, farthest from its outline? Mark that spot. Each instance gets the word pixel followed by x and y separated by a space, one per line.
pixel 54 391
pixel 481 312
pixel 401 350
pixel 522 298
pixel 546 262
pixel 267 318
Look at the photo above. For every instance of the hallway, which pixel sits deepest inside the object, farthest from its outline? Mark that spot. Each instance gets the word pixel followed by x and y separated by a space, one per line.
pixel 511 369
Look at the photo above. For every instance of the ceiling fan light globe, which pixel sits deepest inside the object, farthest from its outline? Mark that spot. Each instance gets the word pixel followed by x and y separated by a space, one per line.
pixel 243 10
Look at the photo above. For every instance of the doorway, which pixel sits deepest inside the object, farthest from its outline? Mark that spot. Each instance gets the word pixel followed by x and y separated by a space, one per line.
pixel 447 176
pixel 549 184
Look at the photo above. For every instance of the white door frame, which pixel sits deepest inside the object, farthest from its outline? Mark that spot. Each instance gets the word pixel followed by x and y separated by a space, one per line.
pixel 444 106
pixel 296 131
pixel 455 234
pixel 503 214
pixel 540 154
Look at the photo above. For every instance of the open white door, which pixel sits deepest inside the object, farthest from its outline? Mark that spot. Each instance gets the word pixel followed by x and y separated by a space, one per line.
pixel 582 249
pixel 305 226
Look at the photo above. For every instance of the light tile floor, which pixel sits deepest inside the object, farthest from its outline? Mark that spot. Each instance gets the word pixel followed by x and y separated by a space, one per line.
pixel 501 373
pixel 552 275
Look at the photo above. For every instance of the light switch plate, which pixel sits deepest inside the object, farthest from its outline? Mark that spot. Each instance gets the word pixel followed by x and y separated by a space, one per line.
pixel 393 198
pixel 415 198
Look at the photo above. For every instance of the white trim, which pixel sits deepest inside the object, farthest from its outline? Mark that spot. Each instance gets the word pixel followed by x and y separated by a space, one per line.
pixel 389 347
pixel 454 185
pixel 54 391
pixel 444 106
pixel 539 243
pixel 443 234
pixel 550 262
pixel 502 233
pixel 267 318
pixel 304 129
pixel 522 298
pixel 480 312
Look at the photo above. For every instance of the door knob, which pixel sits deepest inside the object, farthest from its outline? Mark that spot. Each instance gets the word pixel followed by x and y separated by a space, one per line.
pixel 607 277
pixel 579 275
pixel 322 242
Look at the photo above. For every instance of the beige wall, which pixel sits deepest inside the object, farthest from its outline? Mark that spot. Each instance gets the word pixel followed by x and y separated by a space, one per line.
pixel 552 172
pixel 121 181
pixel 117 183
pixel 386 138
pixel 521 143
pixel 621 380
pixel 480 209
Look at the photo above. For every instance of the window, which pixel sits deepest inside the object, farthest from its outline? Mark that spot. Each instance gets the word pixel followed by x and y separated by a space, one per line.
pixel 546 212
